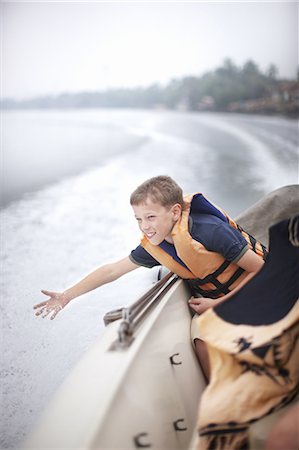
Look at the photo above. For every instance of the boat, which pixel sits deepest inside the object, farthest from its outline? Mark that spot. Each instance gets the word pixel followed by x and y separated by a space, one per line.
pixel 140 384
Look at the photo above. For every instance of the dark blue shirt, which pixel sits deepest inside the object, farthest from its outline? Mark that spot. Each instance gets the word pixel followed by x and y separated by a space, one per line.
pixel 214 233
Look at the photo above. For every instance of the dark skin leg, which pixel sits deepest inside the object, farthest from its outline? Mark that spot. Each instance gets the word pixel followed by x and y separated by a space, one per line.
pixel 285 434
pixel 203 357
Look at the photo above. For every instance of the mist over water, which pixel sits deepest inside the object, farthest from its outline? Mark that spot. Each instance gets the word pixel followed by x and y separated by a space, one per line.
pixel 67 180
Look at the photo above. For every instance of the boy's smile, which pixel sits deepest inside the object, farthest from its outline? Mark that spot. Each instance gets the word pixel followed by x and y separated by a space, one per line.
pixel 156 221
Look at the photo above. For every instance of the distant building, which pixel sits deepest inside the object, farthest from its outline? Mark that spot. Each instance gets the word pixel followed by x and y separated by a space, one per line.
pixel 284 99
pixel 206 103
pixel 286 91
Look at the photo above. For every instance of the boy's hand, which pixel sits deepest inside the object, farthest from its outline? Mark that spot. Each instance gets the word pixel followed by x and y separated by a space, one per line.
pixel 201 304
pixel 52 306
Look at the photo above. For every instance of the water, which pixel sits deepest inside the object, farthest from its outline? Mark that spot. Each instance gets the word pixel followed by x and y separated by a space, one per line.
pixel 67 180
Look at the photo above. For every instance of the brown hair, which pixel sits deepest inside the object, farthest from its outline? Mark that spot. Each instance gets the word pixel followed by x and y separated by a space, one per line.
pixel 161 189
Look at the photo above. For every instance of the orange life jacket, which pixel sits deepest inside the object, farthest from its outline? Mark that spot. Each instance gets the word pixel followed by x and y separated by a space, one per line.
pixel 209 273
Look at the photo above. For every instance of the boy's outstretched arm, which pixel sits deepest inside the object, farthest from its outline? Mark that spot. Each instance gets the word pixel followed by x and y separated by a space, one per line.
pixel 102 275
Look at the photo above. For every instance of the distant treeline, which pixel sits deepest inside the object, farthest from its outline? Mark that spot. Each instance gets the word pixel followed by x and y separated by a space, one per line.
pixel 228 88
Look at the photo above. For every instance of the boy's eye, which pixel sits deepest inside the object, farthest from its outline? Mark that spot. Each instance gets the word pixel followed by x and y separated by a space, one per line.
pixel 151 217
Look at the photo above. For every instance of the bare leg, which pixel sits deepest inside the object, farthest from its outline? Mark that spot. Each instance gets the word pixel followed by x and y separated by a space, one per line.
pixel 285 433
pixel 203 357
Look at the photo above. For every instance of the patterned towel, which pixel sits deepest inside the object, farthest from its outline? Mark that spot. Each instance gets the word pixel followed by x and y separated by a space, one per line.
pixel 253 346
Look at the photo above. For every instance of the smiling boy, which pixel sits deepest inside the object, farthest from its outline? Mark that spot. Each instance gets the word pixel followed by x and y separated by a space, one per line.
pixel 192 238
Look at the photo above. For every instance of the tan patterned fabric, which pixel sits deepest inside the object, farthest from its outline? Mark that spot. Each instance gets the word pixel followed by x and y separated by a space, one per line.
pixel 255 371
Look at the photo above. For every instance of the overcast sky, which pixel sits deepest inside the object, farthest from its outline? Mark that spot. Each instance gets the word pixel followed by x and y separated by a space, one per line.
pixel 55 47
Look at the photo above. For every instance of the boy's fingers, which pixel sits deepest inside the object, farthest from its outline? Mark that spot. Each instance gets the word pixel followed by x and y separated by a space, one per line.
pixel 197 308
pixel 194 307
pixel 40 305
pixel 45 312
pixel 54 314
pixel 47 292
pixel 195 301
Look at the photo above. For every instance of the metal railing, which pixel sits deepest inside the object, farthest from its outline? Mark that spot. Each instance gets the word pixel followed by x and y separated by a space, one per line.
pixel 135 313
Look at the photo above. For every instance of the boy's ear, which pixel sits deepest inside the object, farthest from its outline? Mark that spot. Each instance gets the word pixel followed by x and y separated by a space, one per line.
pixel 177 211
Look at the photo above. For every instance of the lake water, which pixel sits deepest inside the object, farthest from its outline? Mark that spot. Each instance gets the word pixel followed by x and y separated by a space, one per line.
pixel 66 181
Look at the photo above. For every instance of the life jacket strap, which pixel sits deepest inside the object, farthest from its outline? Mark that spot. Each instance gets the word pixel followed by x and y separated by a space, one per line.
pixel 221 288
pixel 253 242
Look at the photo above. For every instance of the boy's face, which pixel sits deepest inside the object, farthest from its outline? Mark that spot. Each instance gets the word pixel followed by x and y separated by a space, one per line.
pixel 156 221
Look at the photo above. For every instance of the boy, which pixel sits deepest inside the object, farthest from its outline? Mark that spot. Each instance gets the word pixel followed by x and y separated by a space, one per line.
pixel 192 238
